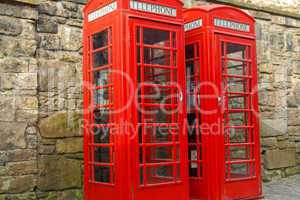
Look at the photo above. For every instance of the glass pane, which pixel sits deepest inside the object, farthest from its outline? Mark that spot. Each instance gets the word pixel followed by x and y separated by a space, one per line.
pixel 160 134
pixel 101 96
pixel 159 115
pixel 235 85
pixel 236 68
pixel 160 174
pixel 238 153
pixel 101 78
pixel 100 58
pixel 237 102
pixel 141 175
pixel 102 155
pixel 101 116
pixel 160 76
pixel 158 95
pixel 237 119
pixel 102 135
pixel 159 154
pixel 236 51
pixel 238 135
pixel 189 51
pixel 102 174
pixel 175 58
pixel 156 56
pixel 156 37
pixel 240 170
pixel 193 169
pixel 174 39
pixel 100 39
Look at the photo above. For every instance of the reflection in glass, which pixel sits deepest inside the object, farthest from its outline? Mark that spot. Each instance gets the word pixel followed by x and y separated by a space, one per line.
pixel 102 174
pixel 102 135
pixel 101 77
pixel 101 155
pixel 100 58
pixel 156 37
pixel 156 56
pixel 100 39
pixel 101 116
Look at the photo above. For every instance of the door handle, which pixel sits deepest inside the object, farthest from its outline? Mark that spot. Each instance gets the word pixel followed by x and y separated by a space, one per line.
pixel 180 97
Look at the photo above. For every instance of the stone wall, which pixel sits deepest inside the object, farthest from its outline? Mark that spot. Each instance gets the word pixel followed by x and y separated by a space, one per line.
pixel 40 96
pixel 40 100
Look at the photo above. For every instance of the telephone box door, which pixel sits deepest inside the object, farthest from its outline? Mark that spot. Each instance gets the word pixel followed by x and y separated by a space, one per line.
pixel 239 112
pixel 158 144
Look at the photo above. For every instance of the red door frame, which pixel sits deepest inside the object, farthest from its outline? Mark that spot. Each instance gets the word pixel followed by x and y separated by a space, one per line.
pixel 179 188
pixel 124 186
pixel 248 187
pixel 216 186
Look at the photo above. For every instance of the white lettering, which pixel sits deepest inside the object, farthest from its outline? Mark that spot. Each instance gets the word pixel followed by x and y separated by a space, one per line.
pixel 193 25
pixel 102 11
pixel 152 8
pixel 231 25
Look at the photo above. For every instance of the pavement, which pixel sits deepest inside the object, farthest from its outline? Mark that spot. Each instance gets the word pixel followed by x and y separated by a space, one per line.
pixel 284 189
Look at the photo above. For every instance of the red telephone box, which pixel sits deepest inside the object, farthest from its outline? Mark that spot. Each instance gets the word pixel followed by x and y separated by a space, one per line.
pixel 135 145
pixel 224 147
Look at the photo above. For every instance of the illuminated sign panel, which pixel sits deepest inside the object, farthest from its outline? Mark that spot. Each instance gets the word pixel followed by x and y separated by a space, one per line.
pixel 193 25
pixel 102 11
pixel 153 8
pixel 231 25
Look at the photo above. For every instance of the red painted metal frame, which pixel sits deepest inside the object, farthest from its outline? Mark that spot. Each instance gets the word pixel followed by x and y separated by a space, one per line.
pixel 214 184
pixel 123 182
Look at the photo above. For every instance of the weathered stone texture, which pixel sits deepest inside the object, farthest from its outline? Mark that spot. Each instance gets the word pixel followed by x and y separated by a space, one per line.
pixel 54 175
pixel 276 159
pixel 40 95
pixel 60 125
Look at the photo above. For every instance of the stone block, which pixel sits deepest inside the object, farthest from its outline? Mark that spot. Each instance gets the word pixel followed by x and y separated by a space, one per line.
pixel 292 171
pixel 47 25
pixel 297 92
pixel 27 115
pixel 21 168
pixel 47 7
pixel 21 155
pixel 20 184
pixel 46 149
pixel 24 196
pixel 27 102
pixel 12 135
pixel 58 173
pixel 10 26
pixel 60 125
pixel 295 121
pixel 70 145
pixel 71 38
pixel 13 65
pixel 7 81
pixel 294 131
pixel 273 127
pixel 276 159
pixel 55 74
pixel 25 12
pixel 26 48
pixel 27 81
pixel 7 108
pixel 292 101
pixel 269 142
pixel 49 42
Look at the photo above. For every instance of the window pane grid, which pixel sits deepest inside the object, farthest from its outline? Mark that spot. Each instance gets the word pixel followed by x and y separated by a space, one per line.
pixel 238 126
pixel 101 143
pixel 194 116
pixel 158 101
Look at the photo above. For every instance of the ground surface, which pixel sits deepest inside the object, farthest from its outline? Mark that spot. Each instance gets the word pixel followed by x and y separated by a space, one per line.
pixel 286 189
